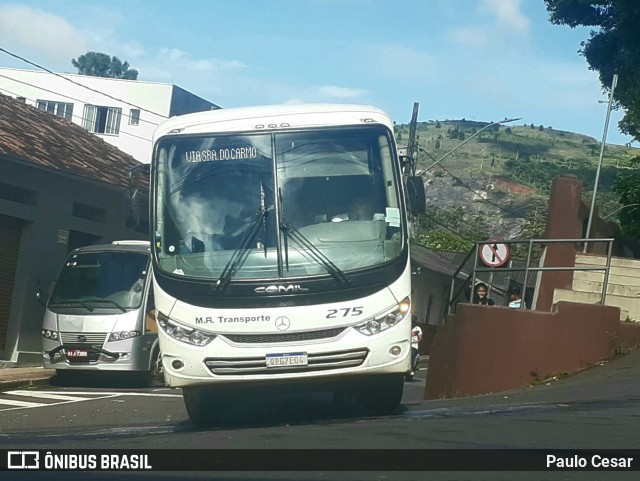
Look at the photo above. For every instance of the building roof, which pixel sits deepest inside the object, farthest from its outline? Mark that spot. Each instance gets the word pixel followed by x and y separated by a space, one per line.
pixel 431 260
pixel 42 139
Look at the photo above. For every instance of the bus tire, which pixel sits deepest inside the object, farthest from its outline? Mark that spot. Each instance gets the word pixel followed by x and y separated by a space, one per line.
pixel 156 371
pixel 199 403
pixel 382 396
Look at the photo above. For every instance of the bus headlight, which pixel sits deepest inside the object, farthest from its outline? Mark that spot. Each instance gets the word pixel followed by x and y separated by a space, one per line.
pixel 123 335
pixel 185 334
pixel 385 321
pixel 49 334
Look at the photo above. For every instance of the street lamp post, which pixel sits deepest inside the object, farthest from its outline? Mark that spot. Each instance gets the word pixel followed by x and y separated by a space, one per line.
pixel 618 210
pixel 614 81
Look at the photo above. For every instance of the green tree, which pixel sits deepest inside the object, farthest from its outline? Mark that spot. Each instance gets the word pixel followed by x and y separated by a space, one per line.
pixel 613 47
pixel 96 64
pixel 627 186
pixel 444 240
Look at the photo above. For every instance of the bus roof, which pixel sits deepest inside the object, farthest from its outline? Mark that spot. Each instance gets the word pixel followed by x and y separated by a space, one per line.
pixel 273 117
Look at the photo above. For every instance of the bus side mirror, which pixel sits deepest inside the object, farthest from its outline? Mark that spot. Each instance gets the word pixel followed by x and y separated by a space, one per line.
pixel 416 195
pixel 137 201
pixel 137 208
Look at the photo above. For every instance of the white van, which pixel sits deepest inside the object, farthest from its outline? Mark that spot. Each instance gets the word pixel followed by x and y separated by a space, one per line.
pixel 100 315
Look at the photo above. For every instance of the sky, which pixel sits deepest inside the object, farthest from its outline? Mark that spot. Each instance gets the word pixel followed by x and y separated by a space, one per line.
pixel 483 60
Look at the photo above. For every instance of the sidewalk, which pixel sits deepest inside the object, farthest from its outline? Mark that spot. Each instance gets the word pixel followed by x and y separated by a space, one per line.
pixel 16 377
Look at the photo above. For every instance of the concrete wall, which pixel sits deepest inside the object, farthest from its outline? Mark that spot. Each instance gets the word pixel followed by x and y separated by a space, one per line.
pixel 567 219
pixel 483 349
pixel 623 285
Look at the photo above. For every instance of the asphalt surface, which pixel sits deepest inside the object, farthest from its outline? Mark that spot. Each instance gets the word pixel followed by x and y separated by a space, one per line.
pixel 593 383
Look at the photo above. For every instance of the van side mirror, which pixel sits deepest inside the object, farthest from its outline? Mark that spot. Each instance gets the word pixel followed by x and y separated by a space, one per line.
pixel 39 295
pixel 416 195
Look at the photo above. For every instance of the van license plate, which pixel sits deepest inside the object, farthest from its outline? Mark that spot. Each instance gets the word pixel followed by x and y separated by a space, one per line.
pixel 291 359
pixel 77 353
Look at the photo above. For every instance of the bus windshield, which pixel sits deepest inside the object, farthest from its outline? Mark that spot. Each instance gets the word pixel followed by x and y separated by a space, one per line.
pixel 277 205
pixel 111 280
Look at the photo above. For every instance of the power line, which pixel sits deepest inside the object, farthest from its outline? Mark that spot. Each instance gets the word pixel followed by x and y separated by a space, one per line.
pixel 433 219
pixel 78 83
pixel 491 124
pixel 56 93
pixel 82 118
pixel 461 182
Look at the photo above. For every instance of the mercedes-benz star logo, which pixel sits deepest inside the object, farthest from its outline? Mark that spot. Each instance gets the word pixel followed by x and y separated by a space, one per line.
pixel 282 323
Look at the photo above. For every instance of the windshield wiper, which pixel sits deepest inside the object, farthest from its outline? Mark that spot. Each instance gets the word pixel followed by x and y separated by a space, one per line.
pixel 243 249
pixel 109 301
pixel 72 303
pixel 315 253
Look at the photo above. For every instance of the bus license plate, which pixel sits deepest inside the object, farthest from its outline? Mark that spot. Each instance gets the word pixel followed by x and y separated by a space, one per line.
pixel 77 353
pixel 291 359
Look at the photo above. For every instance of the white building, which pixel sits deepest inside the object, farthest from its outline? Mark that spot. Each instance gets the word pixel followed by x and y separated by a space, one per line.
pixel 124 113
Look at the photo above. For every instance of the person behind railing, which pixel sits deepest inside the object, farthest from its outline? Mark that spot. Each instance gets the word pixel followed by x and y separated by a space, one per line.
pixel 480 295
pixel 515 298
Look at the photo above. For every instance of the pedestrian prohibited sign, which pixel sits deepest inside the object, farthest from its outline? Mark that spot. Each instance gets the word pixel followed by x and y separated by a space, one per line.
pixel 494 254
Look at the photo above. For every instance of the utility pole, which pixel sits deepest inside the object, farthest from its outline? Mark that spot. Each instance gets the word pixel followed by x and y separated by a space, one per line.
pixel 614 81
pixel 412 145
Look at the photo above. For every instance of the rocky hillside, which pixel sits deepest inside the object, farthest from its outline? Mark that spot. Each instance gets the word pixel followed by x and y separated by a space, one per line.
pixel 497 183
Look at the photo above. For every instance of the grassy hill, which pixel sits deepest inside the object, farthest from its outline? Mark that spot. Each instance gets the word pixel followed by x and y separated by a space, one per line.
pixel 498 183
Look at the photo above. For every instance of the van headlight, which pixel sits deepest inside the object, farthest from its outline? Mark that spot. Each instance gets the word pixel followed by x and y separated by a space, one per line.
pixel 123 335
pixel 386 320
pixel 185 334
pixel 49 334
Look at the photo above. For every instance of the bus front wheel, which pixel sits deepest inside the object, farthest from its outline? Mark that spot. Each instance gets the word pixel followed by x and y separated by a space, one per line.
pixel 199 403
pixel 157 370
pixel 381 395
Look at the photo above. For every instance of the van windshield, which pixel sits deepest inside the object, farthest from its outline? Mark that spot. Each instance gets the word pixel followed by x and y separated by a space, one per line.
pixel 111 280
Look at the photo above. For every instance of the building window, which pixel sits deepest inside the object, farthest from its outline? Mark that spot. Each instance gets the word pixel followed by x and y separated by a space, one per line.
pixel 60 109
pixel 102 120
pixel 134 116
pixel 18 194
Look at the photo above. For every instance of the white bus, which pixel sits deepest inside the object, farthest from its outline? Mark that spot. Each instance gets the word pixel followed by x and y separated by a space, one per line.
pixel 100 315
pixel 281 255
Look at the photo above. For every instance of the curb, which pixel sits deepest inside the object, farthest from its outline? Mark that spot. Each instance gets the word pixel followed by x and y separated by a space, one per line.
pixel 14 383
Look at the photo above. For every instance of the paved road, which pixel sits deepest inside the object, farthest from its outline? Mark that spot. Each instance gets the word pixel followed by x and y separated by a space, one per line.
pixel 597 409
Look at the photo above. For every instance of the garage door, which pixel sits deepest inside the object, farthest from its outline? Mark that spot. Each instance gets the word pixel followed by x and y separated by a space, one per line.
pixel 10 229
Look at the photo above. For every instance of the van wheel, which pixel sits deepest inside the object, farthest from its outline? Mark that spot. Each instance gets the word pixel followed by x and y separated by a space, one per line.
pixel 62 378
pixel 382 396
pixel 199 403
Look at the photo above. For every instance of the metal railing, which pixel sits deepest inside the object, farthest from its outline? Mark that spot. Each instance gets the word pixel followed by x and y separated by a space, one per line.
pixel 527 268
